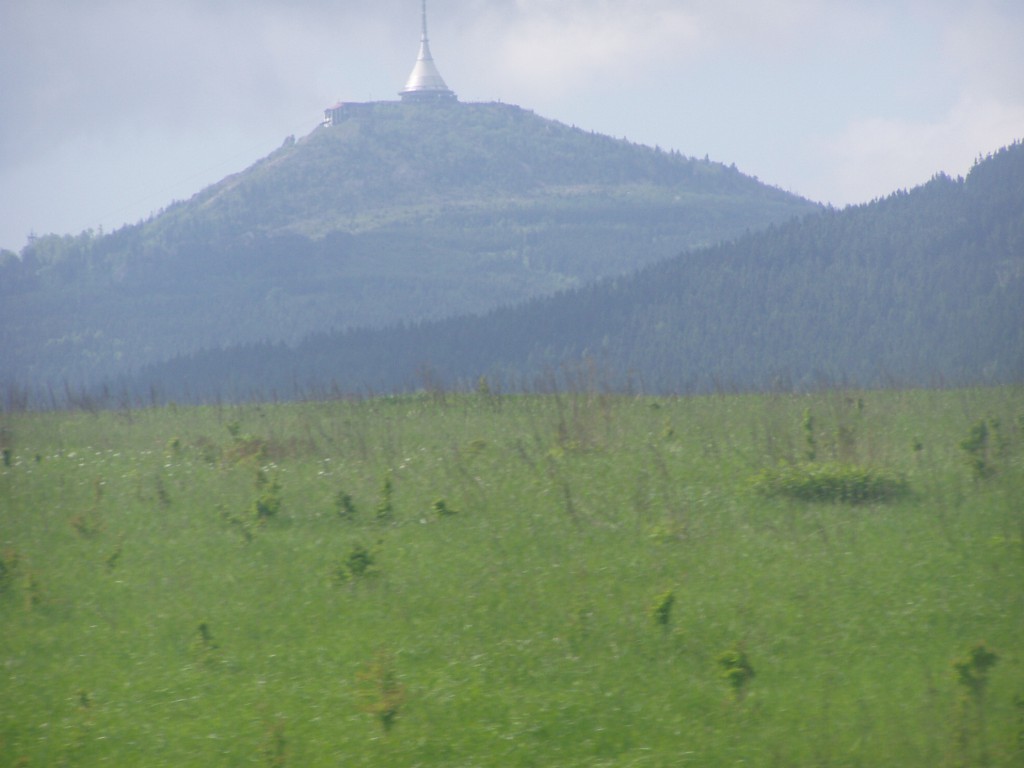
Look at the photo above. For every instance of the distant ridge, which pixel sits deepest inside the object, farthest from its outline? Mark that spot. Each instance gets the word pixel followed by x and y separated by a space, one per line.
pixel 922 288
pixel 397 212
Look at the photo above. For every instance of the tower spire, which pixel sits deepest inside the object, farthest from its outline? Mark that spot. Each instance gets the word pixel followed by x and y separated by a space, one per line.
pixel 425 82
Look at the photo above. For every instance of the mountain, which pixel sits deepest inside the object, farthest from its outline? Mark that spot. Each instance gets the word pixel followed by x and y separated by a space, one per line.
pixel 921 288
pixel 394 212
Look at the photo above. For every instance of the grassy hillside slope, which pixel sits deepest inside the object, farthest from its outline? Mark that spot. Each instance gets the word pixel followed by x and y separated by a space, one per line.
pixel 515 581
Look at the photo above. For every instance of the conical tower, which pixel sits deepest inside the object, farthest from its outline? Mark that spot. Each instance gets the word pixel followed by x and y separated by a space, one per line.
pixel 425 84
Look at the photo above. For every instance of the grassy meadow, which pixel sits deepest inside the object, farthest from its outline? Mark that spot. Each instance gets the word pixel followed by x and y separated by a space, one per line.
pixel 494 580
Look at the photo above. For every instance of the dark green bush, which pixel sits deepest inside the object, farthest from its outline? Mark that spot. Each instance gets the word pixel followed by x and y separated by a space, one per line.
pixel 441 508
pixel 9 560
pixel 661 611
pixel 345 506
pixel 844 483
pixel 980 445
pixel 737 671
pixel 269 502
pixel 359 564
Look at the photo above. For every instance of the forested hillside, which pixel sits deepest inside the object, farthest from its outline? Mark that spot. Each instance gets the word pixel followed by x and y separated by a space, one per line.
pixel 395 213
pixel 921 288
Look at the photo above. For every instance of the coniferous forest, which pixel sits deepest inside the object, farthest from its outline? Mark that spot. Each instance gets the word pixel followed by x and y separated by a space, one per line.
pixel 396 214
pixel 408 247
pixel 921 288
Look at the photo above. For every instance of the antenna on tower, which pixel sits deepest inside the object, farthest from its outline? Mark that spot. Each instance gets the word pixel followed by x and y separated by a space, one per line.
pixel 425 84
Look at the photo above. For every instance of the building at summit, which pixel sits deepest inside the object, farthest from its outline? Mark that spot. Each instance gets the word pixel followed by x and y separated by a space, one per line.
pixel 424 86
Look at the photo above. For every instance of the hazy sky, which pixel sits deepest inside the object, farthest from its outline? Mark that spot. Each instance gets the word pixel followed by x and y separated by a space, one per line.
pixel 111 109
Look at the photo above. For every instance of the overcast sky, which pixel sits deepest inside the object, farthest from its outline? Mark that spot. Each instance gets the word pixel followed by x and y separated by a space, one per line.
pixel 111 109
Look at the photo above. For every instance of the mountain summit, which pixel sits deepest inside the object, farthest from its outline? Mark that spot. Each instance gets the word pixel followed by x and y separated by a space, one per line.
pixel 379 164
pixel 394 212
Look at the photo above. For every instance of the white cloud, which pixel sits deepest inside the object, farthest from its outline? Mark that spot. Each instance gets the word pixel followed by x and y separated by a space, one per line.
pixel 963 98
pixel 554 47
pixel 984 42
pixel 876 156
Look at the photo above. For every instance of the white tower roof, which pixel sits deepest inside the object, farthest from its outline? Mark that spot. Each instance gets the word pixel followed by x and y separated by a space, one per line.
pixel 425 83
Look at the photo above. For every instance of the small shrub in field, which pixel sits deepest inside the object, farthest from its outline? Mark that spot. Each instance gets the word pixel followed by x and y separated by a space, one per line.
pixel 9 566
pixel 163 496
pixel 661 611
pixel 441 509
pixel 972 675
pixel 208 450
pixel 244 446
pixel 244 524
pixel 359 561
pixel 972 670
pixel 206 636
pixel 382 693
pixel 114 557
pixel 1018 703
pixel 385 509
pixel 357 565
pixel 846 442
pixel 736 671
pixel 811 443
pixel 980 448
pixel 87 525
pixel 204 647
pixel 269 502
pixel 33 591
pixel 669 531
pixel 344 506
pixel 846 483
pixel 266 506
pixel 580 626
pixel 274 749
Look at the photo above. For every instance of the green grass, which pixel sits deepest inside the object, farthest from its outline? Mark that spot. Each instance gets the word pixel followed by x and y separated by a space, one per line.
pixel 518 624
